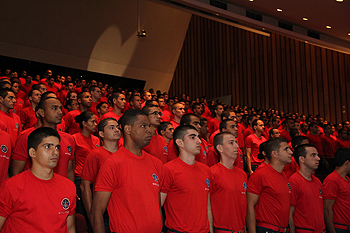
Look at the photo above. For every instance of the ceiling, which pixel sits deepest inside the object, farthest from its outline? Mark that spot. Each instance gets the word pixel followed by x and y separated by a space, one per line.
pixel 320 13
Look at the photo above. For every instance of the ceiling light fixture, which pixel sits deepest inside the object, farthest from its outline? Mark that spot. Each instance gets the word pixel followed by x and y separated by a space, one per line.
pixel 251 0
pixel 279 10
pixel 349 34
pixel 339 0
pixel 305 19
pixel 328 27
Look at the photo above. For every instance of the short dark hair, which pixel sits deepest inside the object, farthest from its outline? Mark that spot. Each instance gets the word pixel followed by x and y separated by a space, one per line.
pixel 195 105
pixel 262 149
pixel 271 132
pixel 130 117
pixel 341 156
pixel 180 132
pixel 42 103
pixel 301 151
pixel 115 95
pixel 297 140
pixel 312 124
pixel 186 119
pixel 38 135
pixel 202 120
pixel 4 92
pixel 84 116
pixel 218 140
pixel 93 88
pixel 273 144
pixel 150 103
pixel 146 108
pixel 163 126
pixel 99 105
pixel 223 124
pixel 81 94
pixel 293 133
pixel 102 124
pixel 226 114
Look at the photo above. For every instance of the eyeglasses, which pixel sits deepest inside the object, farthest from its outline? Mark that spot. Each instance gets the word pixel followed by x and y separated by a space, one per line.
pixel 156 113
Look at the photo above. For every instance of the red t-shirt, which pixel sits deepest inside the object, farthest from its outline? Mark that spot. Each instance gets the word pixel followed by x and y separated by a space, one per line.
pixel 316 141
pixel 69 119
pixel 341 144
pixel 158 148
pixel 253 142
pixel 328 145
pixel 28 118
pixel 211 138
pixel 175 124
pixel 166 115
pixel 5 154
pixel 335 187
pixel 308 202
pixel 274 196
pixel 93 108
pixel 63 97
pixel 26 199
pixel 67 150
pixel 187 189
pixel 83 146
pixel 26 89
pixel 93 163
pixel 18 105
pixel 248 131
pixel 134 182
pixel 285 134
pixel 201 157
pixel 291 168
pixel 213 158
pixel 228 197
pixel 13 123
pixel 240 137
pixel 112 115
pixel 213 125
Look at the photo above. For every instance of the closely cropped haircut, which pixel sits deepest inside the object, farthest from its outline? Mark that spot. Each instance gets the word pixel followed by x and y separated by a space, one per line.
pixel 70 93
pixel 312 124
pixel 93 88
pixel 163 126
pixel 99 105
pixel 341 156
pixel 293 133
pixel 262 149
pixel 219 140
pixel 296 141
pixel 4 92
pixel 255 123
pixel 115 95
pixel 131 98
pixel 226 114
pixel 195 105
pixel 130 117
pixel 186 119
pixel 42 103
pixel 37 136
pixel 223 124
pixel 326 125
pixel 44 95
pixel 102 124
pixel 36 87
pixel 301 151
pixel 273 144
pixel 250 118
pixel 69 103
pixel 286 120
pixel 151 104
pixel 146 108
pixel 202 120
pixel 3 82
pixel 180 132
pixel 81 94
pixel 84 116
pixel 271 132
pixel 340 131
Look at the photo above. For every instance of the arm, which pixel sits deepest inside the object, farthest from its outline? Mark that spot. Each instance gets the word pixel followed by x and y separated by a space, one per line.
pixel 86 195
pixel 99 205
pixel 71 224
pixel 162 198
pixel 210 215
pixel 2 222
pixel 328 214
pixel 71 175
pixel 291 221
pixel 17 166
pixel 252 200
pixel 248 160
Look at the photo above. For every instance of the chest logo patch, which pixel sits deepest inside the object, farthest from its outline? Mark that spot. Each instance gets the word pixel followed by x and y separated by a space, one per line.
pixel 245 185
pixel 16 125
pixel 97 145
pixel 4 148
pixel 155 177
pixel 208 182
pixel 14 111
pixel 320 192
pixel 69 148
pixel 65 203
pixel 289 187
pixel 205 153
pixel 166 148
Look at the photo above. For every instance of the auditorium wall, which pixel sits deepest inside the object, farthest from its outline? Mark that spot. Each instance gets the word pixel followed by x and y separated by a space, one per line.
pixel 97 36
pixel 262 71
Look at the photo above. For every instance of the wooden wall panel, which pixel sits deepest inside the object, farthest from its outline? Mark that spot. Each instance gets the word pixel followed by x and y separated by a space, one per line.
pixel 278 72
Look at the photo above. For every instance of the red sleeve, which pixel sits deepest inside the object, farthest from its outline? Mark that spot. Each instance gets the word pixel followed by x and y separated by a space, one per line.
pixel 90 168
pixel 7 200
pixel 68 118
pixel 255 184
pixel 248 142
pixel 295 191
pixel 107 178
pixel 167 180
pixel 20 151
pixel 330 189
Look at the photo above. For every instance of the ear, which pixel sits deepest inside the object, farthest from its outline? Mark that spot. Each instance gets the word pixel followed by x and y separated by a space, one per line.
pixel 1 99
pixel 30 98
pixel 41 112
pixel 32 153
pixel 79 101
pixel 179 143
pixel 224 130
pixel 84 123
pixel 101 134
pixel 274 154
pixel 127 129
pixel 301 159
pixel 220 148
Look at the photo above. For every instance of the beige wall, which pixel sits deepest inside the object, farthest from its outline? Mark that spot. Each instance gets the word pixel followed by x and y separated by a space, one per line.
pixel 98 36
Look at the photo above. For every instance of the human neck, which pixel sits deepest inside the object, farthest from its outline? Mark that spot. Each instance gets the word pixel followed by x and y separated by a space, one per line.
pixel 277 166
pixel 48 124
pixel 83 108
pixel 85 132
pixel 305 172
pixel 187 158
pixel 33 105
pixel 132 147
pixel 177 119
pixel 5 110
pixel 153 130
pixel 258 134
pixel 111 146
pixel 43 174
pixel 342 172
pixel 117 110
pixel 227 162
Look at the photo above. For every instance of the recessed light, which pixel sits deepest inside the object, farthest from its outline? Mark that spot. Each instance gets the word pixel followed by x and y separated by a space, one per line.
pixel 251 0
pixel 349 34
pixel 278 9
pixel 305 19
pixel 328 27
pixel 339 0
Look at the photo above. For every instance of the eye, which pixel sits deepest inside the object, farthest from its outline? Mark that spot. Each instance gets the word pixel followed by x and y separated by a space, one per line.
pixel 47 146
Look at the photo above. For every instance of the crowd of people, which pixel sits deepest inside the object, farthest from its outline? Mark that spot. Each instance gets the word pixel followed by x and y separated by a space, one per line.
pixel 144 162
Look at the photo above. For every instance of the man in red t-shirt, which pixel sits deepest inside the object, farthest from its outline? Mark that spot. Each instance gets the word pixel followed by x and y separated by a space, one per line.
pixel 228 187
pixel 129 182
pixel 178 111
pixel 135 101
pixel 166 130
pixel 268 195
pixel 328 146
pixel 249 130
pixel 27 114
pixel 117 101
pixel 342 141
pixel 109 133
pixel 185 189
pixel 166 114
pixel 157 147
pixel 288 125
pixel 38 193
pixel 213 124
pixel 336 192
pixel 306 207
pixel 95 92
pixel 314 138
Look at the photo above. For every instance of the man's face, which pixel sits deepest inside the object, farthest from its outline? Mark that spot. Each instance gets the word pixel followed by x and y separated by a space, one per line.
pixel 15 88
pixel 154 116
pixel 179 111
pixel 86 100
pixel 195 122
pixel 198 110
pixel 137 102
pixel 47 153
pixel 120 101
pixel 147 96
pixel 100 85
pixel 70 87
pixel 285 153
pixel 141 132
pixel 94 83
pixel 168 133
pixel 161 102
pixel 111 131
pixel 83 82
pixel 63 79
pixel 347 125
pixel 191 143
pixel 290 124
pixel 304 127
pixel 231 127
pixel 314 129
pixel 96 93
pixel 327 129
pixel 73 96
pixel 9 101
pixel 69 79
pixel 230 146
pixel 276 133
pixel 239 117
pixel 53 111
pixel 219 110
pixel 260 127
pixel 74 105
pixel 276 124
pixel 103 91
pixel 232 116
pixel 36 96
pixel 103 109
pixel 42 89
pixel 311 160
pixel 51 81
pixel 91 124
pixel 29 79
pixel 343 135
pixel 204 128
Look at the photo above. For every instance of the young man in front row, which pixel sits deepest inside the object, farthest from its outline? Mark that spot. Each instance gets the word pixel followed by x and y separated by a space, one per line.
pixel 268 194
pixel 306 206
pixel 129 182
pixel 185 190
pixel 228 185
pixel 37 200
